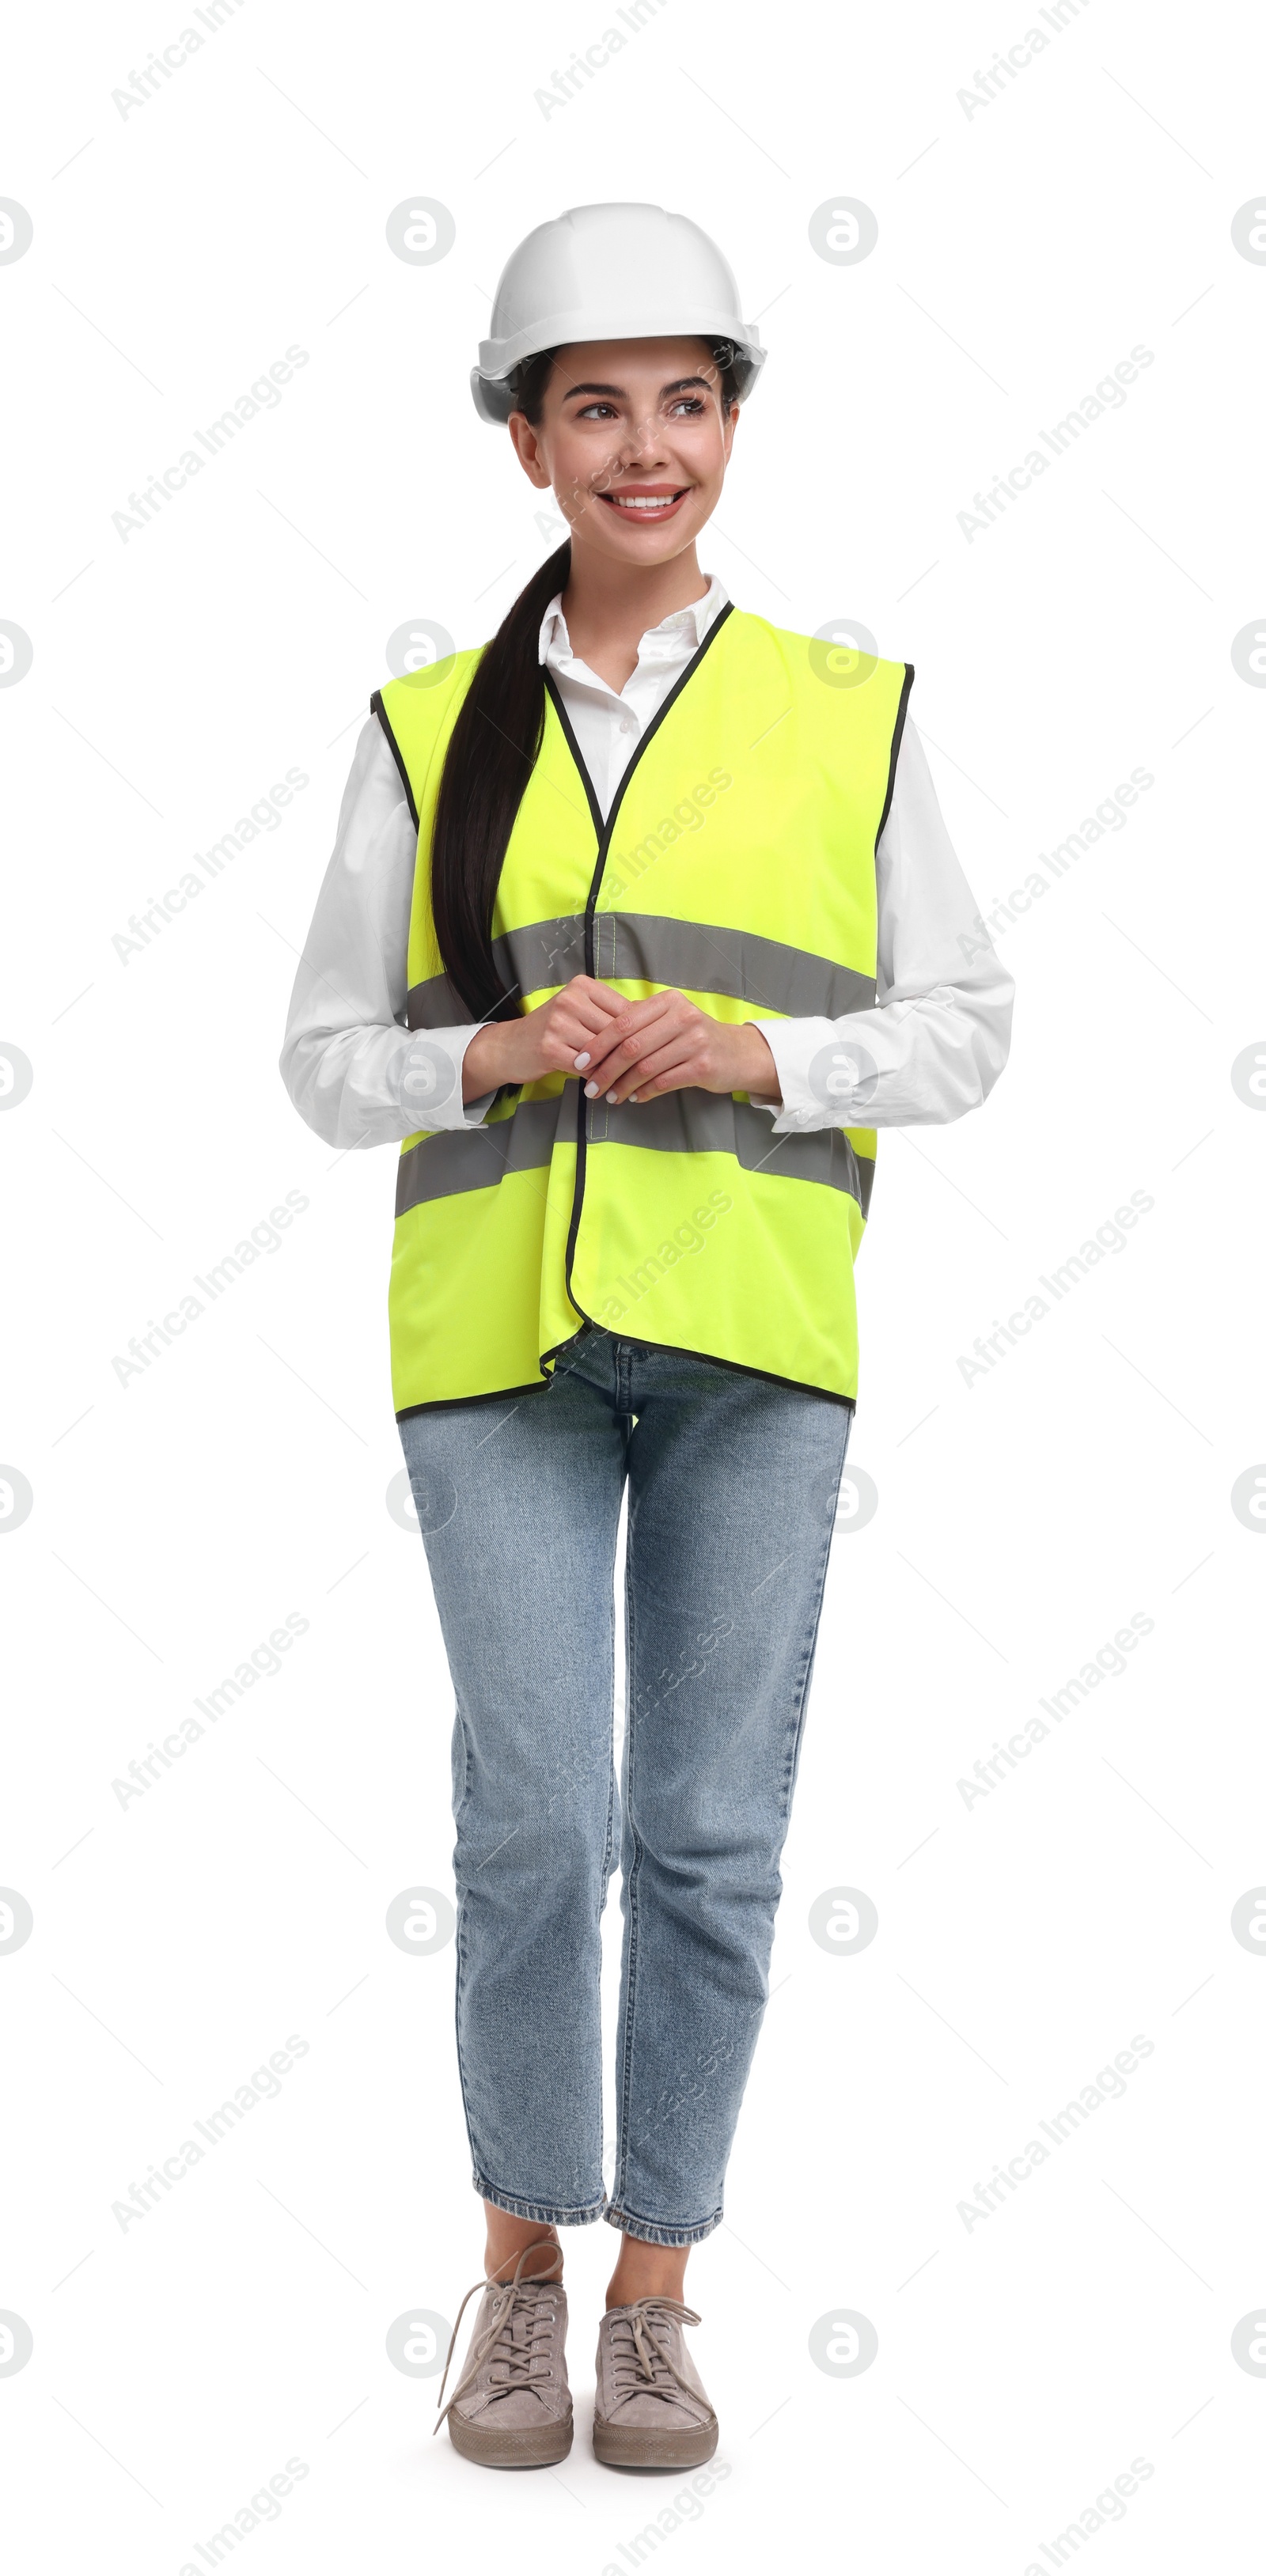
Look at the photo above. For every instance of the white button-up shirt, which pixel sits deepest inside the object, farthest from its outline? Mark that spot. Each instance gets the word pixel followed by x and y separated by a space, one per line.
pixel 932 1048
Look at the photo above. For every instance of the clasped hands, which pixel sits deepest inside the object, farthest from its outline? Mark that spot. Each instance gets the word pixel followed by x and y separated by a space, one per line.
pixel 621 1050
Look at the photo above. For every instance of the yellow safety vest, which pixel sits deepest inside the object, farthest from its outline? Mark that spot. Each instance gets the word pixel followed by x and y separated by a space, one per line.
pixel 737 865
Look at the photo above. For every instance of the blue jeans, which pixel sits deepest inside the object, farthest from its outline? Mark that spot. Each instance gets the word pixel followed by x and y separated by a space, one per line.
pixel 732 1485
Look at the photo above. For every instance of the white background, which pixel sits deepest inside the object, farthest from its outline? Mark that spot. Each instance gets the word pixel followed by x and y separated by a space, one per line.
pixel 1023 251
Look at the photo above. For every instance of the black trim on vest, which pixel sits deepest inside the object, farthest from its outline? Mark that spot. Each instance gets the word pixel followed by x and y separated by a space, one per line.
pixel 708 1359
pixel 497 1395
pixel 897 732
pixel 604 830
pixel 376 708
pixel 595 810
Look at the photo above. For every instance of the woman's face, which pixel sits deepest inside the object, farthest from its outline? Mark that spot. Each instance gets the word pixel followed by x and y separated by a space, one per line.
pixel 634 441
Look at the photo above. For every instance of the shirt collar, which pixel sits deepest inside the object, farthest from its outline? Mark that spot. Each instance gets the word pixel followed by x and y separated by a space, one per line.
pixel 691 623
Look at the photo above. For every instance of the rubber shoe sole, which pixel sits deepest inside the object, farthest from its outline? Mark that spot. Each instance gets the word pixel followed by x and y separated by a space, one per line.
pixel 533 2446
pixel 631 2447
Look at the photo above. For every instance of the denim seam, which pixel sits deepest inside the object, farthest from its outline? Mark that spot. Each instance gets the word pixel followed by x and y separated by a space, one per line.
pixel 460 1946
pixel 806 1661
pixel 540 2212
pixel 630 1946
pixel 460 1723
pixel 608 1847
pixel 654 2231
pixel 460 1942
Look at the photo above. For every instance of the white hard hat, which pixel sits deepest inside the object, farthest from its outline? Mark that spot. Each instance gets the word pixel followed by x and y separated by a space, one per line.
pixel 617 272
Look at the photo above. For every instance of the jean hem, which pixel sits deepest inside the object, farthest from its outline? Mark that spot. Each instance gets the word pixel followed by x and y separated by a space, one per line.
pixel 652 2231
pixel 542 2213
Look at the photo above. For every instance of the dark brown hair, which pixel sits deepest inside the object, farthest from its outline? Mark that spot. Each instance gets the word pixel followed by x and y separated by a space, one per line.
pixel 493 749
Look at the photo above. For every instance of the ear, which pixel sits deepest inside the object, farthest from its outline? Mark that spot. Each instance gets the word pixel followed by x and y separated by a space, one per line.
pixel 527 448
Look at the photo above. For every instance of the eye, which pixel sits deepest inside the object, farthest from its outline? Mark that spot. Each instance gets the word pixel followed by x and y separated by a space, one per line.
pixel 691 404
pixel 592 410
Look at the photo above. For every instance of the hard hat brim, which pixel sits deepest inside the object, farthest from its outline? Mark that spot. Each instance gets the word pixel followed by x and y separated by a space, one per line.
pixel 491 381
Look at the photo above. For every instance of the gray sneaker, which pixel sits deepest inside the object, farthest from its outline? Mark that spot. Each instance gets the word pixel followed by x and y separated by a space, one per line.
pixel 651 2410
pixel 511 2408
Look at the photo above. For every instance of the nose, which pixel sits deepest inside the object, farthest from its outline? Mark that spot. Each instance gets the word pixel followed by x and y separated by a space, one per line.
pixel 643 442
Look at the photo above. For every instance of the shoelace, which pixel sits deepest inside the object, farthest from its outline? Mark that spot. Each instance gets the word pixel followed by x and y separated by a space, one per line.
pixel 640 2367
pixel 519 2314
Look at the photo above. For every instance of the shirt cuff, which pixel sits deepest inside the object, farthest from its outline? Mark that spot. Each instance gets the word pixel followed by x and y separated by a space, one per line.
pixel 819 1075
pixel 429 1081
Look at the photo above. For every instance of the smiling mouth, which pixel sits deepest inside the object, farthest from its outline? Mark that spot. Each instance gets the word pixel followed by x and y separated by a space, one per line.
pixel 646 505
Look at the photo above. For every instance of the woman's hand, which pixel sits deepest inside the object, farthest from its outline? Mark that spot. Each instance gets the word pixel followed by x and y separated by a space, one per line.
pixel 669 1044
pixel 564 1035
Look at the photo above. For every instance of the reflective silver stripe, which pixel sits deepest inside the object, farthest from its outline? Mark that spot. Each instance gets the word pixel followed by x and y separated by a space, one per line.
pixel 708 1122
pixel 476 1158
pixel 701 957
pixel 679 1122
pixel 527 960
pixel 434 1005
pixel 651 948
pixel 546 952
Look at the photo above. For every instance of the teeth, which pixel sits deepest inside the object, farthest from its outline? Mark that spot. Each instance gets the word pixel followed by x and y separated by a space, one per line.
pixel 644 501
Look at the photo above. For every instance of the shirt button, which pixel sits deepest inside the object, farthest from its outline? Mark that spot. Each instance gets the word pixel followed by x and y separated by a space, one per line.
pixel 627 724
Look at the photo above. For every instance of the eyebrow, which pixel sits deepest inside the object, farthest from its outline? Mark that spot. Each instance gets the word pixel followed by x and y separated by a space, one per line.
pixel 678 385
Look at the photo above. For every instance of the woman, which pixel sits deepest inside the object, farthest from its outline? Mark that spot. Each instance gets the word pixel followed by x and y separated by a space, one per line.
pixel 639 923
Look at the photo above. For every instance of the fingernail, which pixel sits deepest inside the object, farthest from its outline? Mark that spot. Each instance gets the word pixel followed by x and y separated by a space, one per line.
pixel 591 1091
pixel 581 1061
pixel 610 1095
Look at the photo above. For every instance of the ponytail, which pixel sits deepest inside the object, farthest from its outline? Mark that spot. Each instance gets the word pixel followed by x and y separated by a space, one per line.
pixel 491 755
